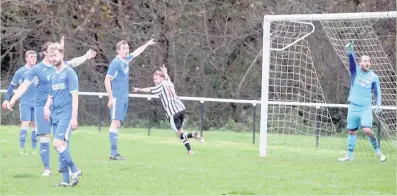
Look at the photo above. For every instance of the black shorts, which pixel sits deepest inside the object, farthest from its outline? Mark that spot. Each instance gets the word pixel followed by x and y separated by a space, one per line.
pixel 177 121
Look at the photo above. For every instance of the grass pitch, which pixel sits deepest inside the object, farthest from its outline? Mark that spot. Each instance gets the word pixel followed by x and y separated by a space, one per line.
pixel 227 164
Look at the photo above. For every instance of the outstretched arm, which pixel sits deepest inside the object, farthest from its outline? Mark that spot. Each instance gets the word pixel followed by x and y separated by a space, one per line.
pixel 75 62
pixel 139 50
pixel 19 92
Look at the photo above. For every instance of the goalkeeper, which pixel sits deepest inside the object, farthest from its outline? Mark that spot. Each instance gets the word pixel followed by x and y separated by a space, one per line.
pixel 362 82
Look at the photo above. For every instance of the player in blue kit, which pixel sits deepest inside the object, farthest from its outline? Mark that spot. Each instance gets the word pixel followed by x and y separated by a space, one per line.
pixel 26 106
pixel 42 72
pixel 117 88
pixel 363 82
pixel 63 97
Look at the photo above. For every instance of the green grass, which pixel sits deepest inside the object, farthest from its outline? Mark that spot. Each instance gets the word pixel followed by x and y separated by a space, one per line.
pixel 227 164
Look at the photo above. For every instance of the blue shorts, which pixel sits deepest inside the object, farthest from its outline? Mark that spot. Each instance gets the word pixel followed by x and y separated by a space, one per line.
pixel 358 116
pixel 119 110
pixel 62 129
pixel 26 112
pixel 42 125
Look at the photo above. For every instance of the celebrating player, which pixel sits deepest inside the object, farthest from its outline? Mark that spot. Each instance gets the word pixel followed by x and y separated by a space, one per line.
pixel 63 97
pixel 363 82
pixel 26 106
pixel 172 104
pixel 42 72
pixel 117 88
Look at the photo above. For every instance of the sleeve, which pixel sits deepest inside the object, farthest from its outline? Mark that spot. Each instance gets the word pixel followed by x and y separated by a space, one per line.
pixel 9 92
pixel 156 90
pixel 112 70
pixel 377 91
pixel 130 57
pixel 73 81
pixel 352 63
pixel 16 78
pixel 31 74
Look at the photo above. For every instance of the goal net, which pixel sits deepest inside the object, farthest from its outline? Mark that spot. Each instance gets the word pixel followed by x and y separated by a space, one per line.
pixel 294 102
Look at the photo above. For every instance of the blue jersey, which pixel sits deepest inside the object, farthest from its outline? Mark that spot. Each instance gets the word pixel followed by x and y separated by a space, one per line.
pixel 42 73
pixel 28 98
pixel 362 84
pixel 62 84
pixel 119 71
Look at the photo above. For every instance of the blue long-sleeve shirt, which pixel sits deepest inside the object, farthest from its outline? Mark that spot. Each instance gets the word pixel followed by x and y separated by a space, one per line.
pixel 362 83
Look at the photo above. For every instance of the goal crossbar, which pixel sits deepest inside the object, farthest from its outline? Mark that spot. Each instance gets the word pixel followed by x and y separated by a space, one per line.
pixel 333 16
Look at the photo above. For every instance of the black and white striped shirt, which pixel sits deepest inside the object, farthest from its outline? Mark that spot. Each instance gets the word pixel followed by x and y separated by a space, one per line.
pixel 166 91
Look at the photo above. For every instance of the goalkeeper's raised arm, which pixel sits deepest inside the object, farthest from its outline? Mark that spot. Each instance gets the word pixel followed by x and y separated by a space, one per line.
pixel 352 61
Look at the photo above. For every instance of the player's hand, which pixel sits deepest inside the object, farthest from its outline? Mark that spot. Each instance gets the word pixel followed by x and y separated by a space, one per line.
pixel 110 102
pixel 349 46
pixel 74 124
pixel 90 54
pixel 62 43
pixel 4 105
pixel 163 69
pixel 10 105
pixel 151 42
pixel 135 90
pixel 378 110
pixel 47 113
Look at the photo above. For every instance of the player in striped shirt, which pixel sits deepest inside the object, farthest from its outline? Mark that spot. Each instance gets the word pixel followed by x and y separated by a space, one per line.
pixel 172 104
pixel 26 106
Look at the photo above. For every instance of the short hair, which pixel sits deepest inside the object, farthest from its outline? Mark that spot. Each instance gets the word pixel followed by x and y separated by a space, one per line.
pixel 54 46
pixel 122 42
pixel 159 73
pixel 44 49
pixel 27 53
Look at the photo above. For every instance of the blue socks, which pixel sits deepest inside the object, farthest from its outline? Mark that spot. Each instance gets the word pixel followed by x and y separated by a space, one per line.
pixel 113 142
pixel 45 151
pixel 34 139
pixel 351 143
pixel 374 142
pixel 63 168
pixel 67 159
pixel 22 138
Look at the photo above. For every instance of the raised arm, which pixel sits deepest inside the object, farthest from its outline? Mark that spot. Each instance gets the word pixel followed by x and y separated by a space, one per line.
pixel 80 60
pixel 352 60
pixel 139 50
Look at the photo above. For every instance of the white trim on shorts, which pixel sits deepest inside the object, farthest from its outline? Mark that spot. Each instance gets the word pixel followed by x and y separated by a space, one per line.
pixel 172 122
pixel 114 108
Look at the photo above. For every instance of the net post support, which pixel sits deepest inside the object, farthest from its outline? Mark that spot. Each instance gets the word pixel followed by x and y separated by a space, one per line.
pixel 379 127
pixel 100 112
pixel 201 117
pixel 318 125
pixel 150 115
pixel 253 122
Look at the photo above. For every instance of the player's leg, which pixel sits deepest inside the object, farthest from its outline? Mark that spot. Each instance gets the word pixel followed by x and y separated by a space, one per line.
pixel 61 136
pixel 43 131
pixel 117 114
pixel 33 128
pixel 353 124
pixel 366 124
pixel 25 120
pixel 177 122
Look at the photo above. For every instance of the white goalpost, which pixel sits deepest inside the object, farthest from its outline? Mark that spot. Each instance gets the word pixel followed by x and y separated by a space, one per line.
pixel 292 99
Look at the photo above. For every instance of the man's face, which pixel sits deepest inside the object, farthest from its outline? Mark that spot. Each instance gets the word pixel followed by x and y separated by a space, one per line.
pixel 157 79
pixel 31 59
pixel 55 57
pixel 123 51
pixel 365 63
